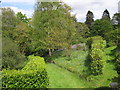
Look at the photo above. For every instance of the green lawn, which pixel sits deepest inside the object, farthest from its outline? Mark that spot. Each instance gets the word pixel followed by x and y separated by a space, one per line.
pixel 72 73
pixel 76 64
pixel 61 78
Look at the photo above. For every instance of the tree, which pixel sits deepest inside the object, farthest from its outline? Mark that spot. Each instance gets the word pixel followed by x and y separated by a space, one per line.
pixel 89 18
pixel 106 15
pixel 54 24
pixel 100 27
pixel 82 32
pixel 116 20
pixel 21 36
pixel 22 17
pixel 113 37
pixel 9 22
pixel 11 57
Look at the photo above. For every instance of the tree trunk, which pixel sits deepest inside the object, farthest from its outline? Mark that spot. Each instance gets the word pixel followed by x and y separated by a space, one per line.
pixel 49 52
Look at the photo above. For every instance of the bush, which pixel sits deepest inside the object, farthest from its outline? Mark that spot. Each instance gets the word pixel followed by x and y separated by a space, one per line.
pixel 97 55
pixel 24 79
pixel 33 75
pixel 35 63
pixel 11 57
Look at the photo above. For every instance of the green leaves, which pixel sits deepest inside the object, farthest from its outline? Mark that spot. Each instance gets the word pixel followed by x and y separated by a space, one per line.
pixel 97 55
pixel 11 57
pixel 33 75
pixel 54 25
pixel 35 63
pixel 101 27
pixel 22 17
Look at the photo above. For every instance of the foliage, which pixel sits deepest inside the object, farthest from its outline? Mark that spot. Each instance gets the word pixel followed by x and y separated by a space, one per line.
pixel 35 63
pixel 11 57
pixel 54 25
pixel 22 17
pixel 97 55
pixel 82 32
pixel 116 20
pixel 89 19
pixel 104 79
pixel 113 37
pixel 57 73
pixel 22 37
pixel 73 63
pixel 24 79
pixel 109 53
pixel 9 22
pixel 33 75
pixel 106 15
pixel 101 27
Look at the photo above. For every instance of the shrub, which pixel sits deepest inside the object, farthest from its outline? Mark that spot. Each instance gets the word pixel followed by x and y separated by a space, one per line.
pixel 97 55
pixel 35 63
pixel 24 79
pixel 11 57
pixel 33 75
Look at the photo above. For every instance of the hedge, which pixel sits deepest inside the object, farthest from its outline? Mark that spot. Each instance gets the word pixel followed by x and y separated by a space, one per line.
pixel 28 77
pixel 97 55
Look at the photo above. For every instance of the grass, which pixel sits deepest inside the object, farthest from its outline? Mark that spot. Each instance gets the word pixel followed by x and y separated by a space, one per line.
pixel 73 73
pixel 61 78
pixel 75 64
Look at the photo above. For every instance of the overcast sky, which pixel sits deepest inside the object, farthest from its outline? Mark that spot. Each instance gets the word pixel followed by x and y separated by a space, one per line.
pixel 79 7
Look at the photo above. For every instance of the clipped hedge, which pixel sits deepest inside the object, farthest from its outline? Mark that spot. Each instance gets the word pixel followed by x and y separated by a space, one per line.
pixel 97 55
pixel 35 63
pixel 33 75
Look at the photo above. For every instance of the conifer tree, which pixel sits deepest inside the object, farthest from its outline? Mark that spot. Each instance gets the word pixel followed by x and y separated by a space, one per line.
pixel 106 15
pixel 89 18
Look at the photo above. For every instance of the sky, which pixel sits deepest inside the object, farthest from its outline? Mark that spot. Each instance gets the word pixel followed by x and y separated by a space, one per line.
pixel 79 7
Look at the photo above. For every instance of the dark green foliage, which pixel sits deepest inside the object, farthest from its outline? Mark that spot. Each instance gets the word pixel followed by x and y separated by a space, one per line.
pixel 116 20
pixel 82 32
pixel 117 59
pixel 101 27
pixel 33 75
pixel 89 19
pixel 11 57
pixel 21 35
pixel 106 15
pixel 113 37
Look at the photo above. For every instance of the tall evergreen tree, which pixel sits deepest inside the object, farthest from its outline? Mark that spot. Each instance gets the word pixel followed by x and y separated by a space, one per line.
pixel 106 15
pixel 89 18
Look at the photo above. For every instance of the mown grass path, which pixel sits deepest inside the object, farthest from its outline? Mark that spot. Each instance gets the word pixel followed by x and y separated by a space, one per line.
pixel 61 78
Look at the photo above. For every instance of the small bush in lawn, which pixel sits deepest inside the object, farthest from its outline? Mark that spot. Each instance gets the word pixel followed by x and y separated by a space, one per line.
pixel 35 63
